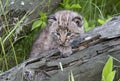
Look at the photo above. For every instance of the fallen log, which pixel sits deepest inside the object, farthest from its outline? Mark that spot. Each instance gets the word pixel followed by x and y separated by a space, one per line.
pixel 86 64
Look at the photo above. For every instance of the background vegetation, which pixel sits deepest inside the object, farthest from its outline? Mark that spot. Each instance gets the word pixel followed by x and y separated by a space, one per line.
pixel 95 12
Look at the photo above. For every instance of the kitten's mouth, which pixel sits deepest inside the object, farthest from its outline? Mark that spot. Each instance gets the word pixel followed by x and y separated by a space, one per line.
pixel 63 45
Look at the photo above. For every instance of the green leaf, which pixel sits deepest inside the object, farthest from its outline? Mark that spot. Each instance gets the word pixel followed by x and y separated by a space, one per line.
pixel 62 4
pixel 101 21
pixel 42 14
pixel 43 17
pixel 67 6
pixel 111 76
pixel 103 78
pixel 65 2
pixel 36 24
pixel 74 6
pixel 107 68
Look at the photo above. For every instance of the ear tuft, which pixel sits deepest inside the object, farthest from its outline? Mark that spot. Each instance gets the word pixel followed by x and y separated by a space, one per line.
pixel 78 20
pixel 51 19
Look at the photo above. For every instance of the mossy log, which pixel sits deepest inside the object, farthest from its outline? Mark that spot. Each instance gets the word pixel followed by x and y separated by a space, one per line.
pixel 85 64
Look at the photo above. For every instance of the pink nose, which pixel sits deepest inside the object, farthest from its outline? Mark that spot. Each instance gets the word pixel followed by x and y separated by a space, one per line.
pixel 63 39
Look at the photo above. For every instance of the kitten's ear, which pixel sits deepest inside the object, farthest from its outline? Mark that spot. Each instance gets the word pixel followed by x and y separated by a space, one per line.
pixel 51 19
pixel 78 20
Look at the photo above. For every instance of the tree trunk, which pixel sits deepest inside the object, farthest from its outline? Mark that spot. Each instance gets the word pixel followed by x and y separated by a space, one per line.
pixel 85 64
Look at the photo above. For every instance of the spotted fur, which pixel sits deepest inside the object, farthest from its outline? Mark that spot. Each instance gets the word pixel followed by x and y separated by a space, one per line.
pixel 63 27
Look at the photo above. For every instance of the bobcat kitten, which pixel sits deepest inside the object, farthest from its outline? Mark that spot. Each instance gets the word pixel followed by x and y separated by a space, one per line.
pixel 63 27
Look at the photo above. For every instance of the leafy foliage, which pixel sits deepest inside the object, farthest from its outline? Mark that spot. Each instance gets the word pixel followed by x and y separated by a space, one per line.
pixel 108 74
pixel 41 22
pixel 66 5
pixel 102 21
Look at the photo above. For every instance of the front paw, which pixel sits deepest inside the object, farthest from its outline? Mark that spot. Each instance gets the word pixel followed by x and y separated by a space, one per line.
pixel 65 51
pixel 66 54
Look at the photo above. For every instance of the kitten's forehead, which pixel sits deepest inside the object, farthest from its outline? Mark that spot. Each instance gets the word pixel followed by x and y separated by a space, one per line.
pixel 66 20
pixel 65 15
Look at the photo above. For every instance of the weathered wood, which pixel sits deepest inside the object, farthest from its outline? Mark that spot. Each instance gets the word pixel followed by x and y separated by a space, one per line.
pixel 18 8
pixel 86 64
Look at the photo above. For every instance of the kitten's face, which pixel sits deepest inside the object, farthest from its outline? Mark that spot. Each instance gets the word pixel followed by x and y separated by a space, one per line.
pixel 64 37
pixel 65 26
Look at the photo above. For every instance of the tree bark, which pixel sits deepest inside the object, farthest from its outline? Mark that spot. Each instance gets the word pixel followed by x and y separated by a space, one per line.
pixel 85 64
pixel 15 10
